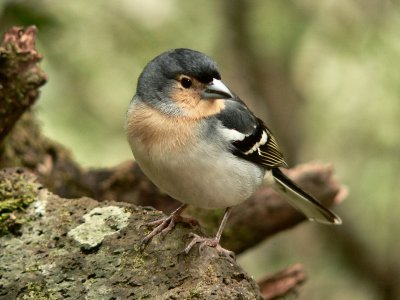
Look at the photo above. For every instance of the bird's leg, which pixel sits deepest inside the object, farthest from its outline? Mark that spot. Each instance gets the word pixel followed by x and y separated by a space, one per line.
pixel 212 242
pixel 165 225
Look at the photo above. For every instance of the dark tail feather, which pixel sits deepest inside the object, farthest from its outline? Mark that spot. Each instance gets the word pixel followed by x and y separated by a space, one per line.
pixel 302 201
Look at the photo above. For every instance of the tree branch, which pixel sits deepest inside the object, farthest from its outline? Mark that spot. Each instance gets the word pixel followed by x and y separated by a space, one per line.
pixel 20 76
pixel 282 283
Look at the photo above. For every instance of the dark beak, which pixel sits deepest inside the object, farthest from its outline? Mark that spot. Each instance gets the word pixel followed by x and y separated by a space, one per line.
pixel 216 89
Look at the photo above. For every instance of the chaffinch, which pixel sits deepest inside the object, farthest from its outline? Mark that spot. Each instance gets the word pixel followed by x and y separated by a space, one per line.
pixel 198 142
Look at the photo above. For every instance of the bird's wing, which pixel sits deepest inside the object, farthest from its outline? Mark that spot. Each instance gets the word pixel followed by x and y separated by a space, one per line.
pixel 260 147
pixel 253 141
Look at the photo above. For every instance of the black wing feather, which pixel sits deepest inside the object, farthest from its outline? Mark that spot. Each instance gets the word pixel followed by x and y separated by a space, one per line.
pixel 267 154
pixel 238 117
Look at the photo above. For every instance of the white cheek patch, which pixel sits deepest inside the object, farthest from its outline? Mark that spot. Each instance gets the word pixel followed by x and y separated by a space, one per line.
pixel 263 140
pixel 231 134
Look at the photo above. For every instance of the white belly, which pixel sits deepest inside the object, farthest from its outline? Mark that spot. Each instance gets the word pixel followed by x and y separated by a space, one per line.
pixel 206 177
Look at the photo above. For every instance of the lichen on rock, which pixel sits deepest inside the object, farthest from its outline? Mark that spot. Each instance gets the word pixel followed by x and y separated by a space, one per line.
pixel 85 249
pixel 99 222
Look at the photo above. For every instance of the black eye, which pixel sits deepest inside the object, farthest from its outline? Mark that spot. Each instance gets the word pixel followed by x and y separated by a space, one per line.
pixel 186 82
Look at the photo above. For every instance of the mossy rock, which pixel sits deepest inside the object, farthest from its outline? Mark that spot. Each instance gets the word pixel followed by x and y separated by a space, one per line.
pixel 18 190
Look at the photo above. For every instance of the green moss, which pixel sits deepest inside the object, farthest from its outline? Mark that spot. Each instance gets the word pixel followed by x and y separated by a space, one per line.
pixel 210 271
pixel 138 262
pixel 37 291
pixel 17 191
pixel 196 293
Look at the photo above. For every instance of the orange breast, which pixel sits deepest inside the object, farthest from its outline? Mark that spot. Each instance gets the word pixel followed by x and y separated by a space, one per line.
pixel 159 132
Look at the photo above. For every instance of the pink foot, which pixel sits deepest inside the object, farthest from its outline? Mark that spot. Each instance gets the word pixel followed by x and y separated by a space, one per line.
pixel 210 242
pixel 165 225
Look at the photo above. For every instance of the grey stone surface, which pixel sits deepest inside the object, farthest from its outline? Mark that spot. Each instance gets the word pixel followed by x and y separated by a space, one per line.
pixel 83 249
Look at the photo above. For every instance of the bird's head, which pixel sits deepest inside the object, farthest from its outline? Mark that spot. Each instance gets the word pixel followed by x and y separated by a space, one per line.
pixel 183 82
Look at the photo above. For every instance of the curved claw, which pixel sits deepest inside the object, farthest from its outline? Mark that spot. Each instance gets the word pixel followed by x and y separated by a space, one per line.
pixel 192 242
pixel 165 225
pixel 153 223
pixel 210 242
pixel 229 254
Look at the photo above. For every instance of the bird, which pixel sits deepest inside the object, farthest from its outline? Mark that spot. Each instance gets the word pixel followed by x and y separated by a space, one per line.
pixel 197 141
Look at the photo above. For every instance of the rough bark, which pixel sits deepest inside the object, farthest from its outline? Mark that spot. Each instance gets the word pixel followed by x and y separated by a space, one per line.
pixel 282 283
pixel 20 77
pixel 81 248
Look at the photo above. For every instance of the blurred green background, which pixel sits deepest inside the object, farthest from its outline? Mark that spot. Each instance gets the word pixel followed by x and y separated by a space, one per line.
pixel 325 76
